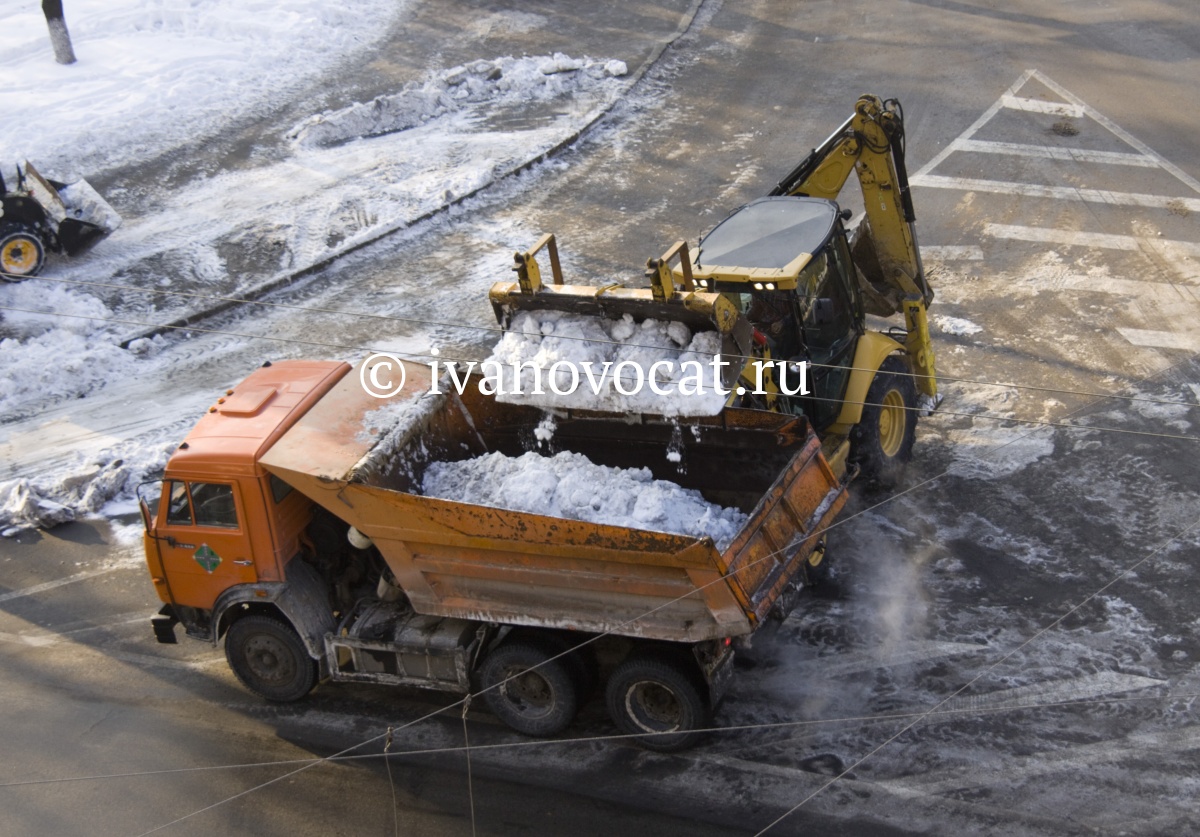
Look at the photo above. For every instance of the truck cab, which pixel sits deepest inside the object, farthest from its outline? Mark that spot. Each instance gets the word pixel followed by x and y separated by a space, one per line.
pixel 218 521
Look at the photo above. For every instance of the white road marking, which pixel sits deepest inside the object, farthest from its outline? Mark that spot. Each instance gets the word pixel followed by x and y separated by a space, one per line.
pixel 1118 131
pixel 947 252
pixel 1076 760
pixel 983 119
pixel 1069 193
pixel 860 661
pixel 1163 293
pixel 21 639
pixel 1078 238
pixel 71 579
pixel 1161 339
pixel 1095 685
pixel 1079 155
pixel 1038 106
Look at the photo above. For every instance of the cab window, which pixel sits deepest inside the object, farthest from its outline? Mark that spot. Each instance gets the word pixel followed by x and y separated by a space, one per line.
pixel 179 510
pixel 279 489
pixel 201 504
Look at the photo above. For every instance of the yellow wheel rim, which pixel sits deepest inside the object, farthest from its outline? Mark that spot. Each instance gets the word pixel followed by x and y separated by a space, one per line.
pixel 19 256
pixel 891 423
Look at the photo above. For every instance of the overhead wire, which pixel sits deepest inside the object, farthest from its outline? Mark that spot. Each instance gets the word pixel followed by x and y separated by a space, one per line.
pixel 698 590
pixel 499 330
pixel 357 348
pixel 545 743
pixel 438 356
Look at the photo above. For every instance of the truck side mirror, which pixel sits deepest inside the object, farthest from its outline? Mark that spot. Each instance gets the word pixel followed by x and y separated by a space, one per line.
pixel 148 502
pixel 823 312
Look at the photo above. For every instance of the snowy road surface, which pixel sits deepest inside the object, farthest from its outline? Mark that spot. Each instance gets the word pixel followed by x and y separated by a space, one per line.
pixel 1010 645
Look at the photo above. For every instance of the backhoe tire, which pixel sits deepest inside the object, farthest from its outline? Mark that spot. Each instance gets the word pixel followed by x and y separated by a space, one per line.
pixel 882 441
pixel 661 700
pixel 526 689
pixel 21 253
pixel 270 659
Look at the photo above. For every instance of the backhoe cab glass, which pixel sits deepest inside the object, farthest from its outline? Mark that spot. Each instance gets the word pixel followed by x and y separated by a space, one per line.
pixel 784 262
pixel 769 233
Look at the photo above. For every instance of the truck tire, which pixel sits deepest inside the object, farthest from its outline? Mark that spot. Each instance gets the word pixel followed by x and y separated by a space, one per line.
pixel 537 701
pixel 882 441
pixel 270 659
pixel 660 700
pixel 580 660
pixel 21 253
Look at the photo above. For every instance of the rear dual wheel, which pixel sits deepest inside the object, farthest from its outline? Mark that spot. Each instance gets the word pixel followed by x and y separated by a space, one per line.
pixel 529 687
pixel 660 700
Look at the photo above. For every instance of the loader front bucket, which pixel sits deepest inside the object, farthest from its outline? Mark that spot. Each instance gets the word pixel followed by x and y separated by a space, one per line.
pixel 662 301
pixel 81 217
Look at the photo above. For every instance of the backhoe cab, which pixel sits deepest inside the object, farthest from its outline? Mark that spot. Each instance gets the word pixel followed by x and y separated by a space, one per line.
pixel 806 286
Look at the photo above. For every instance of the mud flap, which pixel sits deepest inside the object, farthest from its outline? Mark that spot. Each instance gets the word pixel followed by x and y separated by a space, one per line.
pixel 164 625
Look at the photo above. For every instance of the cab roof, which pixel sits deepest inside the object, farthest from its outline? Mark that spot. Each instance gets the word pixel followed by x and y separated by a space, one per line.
pixel 246 420
pixel 767 240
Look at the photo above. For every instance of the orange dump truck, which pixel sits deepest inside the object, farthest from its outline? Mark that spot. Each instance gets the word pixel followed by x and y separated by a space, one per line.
pixel 292 527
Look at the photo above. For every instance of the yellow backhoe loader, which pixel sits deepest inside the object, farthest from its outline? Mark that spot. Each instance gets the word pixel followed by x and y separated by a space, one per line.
pixel 789 290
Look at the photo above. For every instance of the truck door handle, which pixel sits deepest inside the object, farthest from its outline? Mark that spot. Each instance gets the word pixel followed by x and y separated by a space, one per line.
pixel 243 562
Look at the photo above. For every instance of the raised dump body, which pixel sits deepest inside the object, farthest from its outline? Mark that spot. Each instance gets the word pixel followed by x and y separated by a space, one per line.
pixel 496 565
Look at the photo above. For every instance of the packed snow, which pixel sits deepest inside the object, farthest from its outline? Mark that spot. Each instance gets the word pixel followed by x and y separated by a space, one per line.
pixel 956 326
pixel 151 76
pixel 620 353
pixel 569 485
pixel 502 81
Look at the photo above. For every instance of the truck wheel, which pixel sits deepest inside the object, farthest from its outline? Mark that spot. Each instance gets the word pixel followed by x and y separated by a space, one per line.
pixel 537 701
pixel 882 441
pixel 580 660
pixel 21 253
pixel 659 700
pixel 270 659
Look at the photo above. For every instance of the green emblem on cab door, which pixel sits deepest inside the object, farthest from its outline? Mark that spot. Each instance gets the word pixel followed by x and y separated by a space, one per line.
pixel 206 558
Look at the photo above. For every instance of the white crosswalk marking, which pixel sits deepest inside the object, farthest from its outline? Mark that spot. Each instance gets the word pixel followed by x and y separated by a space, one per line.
pixel 1067 193
pixel 1078 238
pixel 1163 292
pixel 1078 155
pixel 1038 106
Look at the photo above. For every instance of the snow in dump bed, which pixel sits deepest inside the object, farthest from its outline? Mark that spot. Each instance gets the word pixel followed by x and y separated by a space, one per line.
pixel 615 352
pixel 569 485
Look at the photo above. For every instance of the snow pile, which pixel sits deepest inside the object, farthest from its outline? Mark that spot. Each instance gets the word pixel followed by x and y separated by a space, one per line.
pixel 502 81
pixel 992 447
pixel 64 353
pixel 151 76
pixel 956 326
pixel 618 353
pixel 106 484
pixel 569 485
pixel 84 202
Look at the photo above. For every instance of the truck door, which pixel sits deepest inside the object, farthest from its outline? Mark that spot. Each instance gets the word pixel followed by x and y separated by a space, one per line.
pixel 202 540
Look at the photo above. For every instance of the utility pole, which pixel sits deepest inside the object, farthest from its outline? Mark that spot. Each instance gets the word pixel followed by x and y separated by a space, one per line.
pixel 59 37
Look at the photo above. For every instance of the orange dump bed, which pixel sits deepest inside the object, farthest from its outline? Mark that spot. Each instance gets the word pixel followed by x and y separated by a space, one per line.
pixel 493 564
